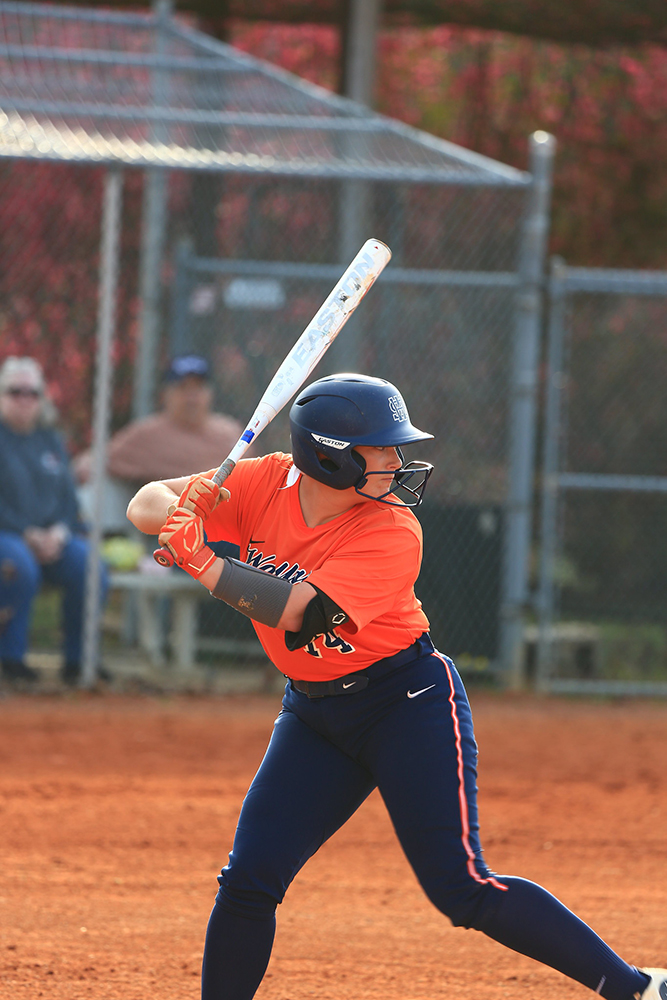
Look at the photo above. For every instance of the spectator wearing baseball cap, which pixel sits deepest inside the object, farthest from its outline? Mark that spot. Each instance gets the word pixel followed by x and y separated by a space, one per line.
pixel 187 365
pixel 184 437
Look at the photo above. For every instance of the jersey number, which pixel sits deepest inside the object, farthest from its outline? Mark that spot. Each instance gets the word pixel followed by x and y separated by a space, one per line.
pixel 331 641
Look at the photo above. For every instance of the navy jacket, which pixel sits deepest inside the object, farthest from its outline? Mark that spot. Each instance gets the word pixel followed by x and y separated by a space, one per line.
pixel 37 488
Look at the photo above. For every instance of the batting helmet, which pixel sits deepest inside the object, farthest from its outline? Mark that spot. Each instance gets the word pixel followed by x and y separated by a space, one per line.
pixel 331 417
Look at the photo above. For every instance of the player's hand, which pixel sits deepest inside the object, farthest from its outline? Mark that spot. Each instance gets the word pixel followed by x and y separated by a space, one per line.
pixel 201 496
pixel 183 534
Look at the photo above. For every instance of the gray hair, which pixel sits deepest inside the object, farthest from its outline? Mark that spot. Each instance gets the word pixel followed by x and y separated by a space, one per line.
pixel 13 366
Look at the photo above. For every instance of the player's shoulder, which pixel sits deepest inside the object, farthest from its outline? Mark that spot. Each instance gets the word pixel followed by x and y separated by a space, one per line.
pixel 271 469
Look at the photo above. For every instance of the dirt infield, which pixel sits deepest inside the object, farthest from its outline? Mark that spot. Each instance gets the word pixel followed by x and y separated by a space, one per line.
pixel 116 814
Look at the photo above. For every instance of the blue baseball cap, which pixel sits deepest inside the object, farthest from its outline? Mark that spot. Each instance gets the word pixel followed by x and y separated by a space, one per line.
pixel 185 365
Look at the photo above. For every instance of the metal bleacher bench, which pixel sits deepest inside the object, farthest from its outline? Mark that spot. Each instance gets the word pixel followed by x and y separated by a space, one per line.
pixel 184 593
pixel 142 611
pixel 163 634
pixel 175 630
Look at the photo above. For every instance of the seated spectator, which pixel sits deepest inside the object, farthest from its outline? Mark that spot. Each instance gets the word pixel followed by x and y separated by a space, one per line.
pixel 41 535
pixel 183 438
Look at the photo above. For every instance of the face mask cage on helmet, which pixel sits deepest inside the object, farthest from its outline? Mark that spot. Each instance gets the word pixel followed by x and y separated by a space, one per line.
pixel 339 413
pixel 408 485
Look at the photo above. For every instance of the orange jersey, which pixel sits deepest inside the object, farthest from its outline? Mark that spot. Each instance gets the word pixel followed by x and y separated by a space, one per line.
pixel 366 560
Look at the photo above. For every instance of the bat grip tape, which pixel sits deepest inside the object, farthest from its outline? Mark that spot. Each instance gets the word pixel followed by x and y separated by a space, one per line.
pixel 225 469
pixel 254 593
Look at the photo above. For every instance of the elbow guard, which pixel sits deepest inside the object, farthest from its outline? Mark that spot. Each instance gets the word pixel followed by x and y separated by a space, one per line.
pixel 321 615
pixel 254 593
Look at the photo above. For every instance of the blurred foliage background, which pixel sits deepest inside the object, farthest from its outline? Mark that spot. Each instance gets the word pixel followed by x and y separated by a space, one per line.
pixel 477 86
pixel 485 75
pixel 487 90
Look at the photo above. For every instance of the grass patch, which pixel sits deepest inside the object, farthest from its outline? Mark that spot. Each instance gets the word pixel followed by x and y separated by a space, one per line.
pixel 45 633
pixel 632 652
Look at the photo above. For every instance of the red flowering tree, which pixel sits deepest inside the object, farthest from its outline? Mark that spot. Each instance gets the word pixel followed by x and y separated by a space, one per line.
pixel 483 89
pixel 50 218
pixel 487 91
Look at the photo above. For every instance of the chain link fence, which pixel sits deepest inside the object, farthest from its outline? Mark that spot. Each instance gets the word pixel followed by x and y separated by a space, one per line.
pixel 603 577
pixel 50 225
pixel 439 323
pixel 245 193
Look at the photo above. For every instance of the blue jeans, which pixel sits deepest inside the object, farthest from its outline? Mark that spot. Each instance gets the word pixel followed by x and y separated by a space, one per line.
pixel 21 576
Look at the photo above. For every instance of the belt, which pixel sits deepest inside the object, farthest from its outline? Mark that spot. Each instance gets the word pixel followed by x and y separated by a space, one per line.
pixel 349 684
pixel 352 683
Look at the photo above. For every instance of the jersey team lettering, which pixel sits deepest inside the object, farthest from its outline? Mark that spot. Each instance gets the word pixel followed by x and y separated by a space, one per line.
pixel 269 564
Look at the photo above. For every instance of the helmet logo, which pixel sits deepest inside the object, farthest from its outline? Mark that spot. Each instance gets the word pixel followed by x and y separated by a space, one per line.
pixel 330 442
pixel 398 410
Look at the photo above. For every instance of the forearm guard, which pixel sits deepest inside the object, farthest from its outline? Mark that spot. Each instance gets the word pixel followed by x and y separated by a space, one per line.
pixel 254 593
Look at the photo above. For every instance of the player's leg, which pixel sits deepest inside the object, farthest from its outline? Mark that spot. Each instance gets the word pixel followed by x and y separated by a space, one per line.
pixel 69 573
pixel 304 790
pixel 20 578
pixel 423 756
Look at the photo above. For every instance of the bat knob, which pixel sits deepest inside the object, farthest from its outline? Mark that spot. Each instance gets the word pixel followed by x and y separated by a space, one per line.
pixel 163 557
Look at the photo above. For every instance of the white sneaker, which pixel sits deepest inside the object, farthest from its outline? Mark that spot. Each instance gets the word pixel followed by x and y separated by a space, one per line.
pixel 657 988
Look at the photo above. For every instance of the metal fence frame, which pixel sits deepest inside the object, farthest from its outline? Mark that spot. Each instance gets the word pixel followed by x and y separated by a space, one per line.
pixel 24 138
pixel 527 281
pixel 565 281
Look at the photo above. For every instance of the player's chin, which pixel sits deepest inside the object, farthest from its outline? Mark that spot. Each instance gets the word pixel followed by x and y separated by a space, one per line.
pixel 380 488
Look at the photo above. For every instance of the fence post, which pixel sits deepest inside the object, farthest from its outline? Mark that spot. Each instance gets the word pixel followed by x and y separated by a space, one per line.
pixel 360 47
pixel 153 228
pixel 550 468
pixel 523 411
pixel 179 332
pixel 152 249
pixel 106 322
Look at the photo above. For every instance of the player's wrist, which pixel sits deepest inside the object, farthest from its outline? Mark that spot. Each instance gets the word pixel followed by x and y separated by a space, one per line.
pixel 200 564
pixel 211 573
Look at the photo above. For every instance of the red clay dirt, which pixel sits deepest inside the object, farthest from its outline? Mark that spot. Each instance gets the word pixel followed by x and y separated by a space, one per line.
pixel 117 812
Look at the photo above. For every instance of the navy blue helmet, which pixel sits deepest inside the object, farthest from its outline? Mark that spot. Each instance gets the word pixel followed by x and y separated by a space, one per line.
pixel 329 418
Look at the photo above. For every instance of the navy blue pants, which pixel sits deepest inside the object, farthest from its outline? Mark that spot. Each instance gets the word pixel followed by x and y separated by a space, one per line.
pixel 410 734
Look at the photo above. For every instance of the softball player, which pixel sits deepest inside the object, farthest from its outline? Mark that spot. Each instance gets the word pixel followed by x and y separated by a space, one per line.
pixel 331 557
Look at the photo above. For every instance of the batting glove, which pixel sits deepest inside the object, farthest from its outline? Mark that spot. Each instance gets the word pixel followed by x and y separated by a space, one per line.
pixel 201 496
pixel 183 535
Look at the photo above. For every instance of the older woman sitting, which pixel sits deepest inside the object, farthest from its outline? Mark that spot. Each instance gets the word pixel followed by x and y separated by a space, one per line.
pixel 41 536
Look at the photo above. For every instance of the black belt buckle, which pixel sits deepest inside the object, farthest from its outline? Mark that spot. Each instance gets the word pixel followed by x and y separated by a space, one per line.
pixel 349 684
